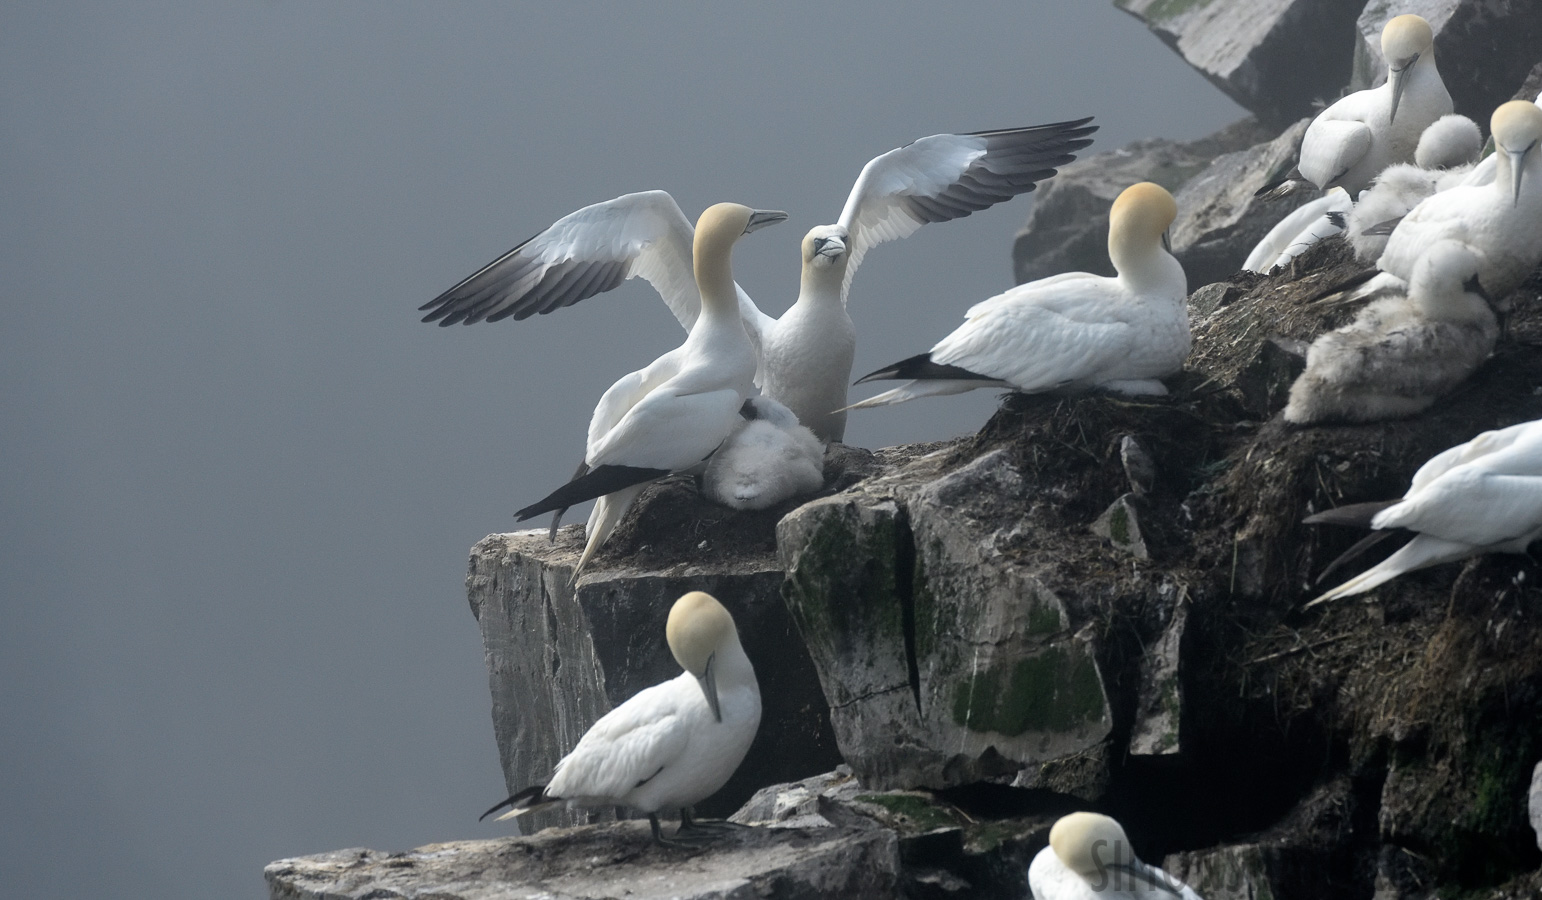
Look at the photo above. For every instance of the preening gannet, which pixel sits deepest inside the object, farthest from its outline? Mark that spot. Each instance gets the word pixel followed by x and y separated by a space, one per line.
pixel 1090 858
pixel 1484 496
pixel 1350 142
pixel 806 354
pixel 671 745
pixel 670 416
pixel 769 458
pixel 1445 157
pixel 1074 331
pixel 1403 351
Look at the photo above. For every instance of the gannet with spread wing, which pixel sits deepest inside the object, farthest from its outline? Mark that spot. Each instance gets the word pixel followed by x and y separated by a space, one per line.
pixel 670 416
pixel 805 356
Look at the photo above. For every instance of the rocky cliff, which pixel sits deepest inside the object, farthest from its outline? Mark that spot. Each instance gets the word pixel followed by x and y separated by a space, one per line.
pixel 1093 602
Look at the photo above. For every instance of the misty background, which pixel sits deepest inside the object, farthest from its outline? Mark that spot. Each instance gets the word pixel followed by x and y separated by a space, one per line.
pixel 240 479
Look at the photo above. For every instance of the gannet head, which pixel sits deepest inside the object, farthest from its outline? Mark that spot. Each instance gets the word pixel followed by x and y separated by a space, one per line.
pixel 1450 140
pixel 1404 39
pixel 1517 127
pixel 825 246
pixel 723 223
pixel 1139 219
pixel 1095 847
pixel 1446 271
pixel 697 629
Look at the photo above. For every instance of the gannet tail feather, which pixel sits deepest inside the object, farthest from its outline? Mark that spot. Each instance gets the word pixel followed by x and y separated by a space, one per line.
pixel 556 516
pixel 920 367
pixel 910 390
pixel 1283 185
pixel 1352 281
pixel 1419 553
pixel 1356 514
pixel 607 514
pixel 1383 228
pixel 597 482
pixel 1353 553
pixel 528 800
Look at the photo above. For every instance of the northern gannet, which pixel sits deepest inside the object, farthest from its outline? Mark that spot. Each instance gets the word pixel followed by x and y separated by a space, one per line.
pixel 1090 858
pixel 1074 331
pixel 769 458
pixel 806 355
pixel 1484 496
pixel 1403 351
pixel 671 745
pixel 1350 142
pixel 1502 220
pixel 670 416
pixel 1447 152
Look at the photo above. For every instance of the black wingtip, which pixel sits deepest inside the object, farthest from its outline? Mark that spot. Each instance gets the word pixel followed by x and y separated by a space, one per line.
pixel 1352 281
pixel 1358 515
pixel 921 368
pixel 535 793
pixel 1337 219
pixel 597 482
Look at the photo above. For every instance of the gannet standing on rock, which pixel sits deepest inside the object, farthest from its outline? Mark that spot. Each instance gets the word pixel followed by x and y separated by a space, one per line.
pixel 1402 352
pixel 805 356
pixel 1090 858
pixel 1484 496
pixel 1070 332
pixel 1350 142
pixel 1447 152
pixel 671 745
pixel 670 416
pixel 768 459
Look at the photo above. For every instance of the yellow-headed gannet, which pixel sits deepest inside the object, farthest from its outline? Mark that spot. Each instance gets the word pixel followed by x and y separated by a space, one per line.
pixel 806 354
pixel 1484 496
pixel 1502 220
pixel 1350 142
pixel 769 458
pixel 671 745
pixel 1448 150
pixel 1075 331
pixel 1483 172
pixel 670 416
pixel 1090 858
pixel 1403 351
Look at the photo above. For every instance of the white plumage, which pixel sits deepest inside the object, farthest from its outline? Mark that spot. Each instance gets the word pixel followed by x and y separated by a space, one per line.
pixel 1501 220
pixel 1070 332
pixel 672 415
pixel 768 459
pixel 805 356
pixel 1090 858
pixel 1297 232
pixel 1403 351
pixel 1484 496
pixel 1447 152
pixel 1350 142
pixel 671 745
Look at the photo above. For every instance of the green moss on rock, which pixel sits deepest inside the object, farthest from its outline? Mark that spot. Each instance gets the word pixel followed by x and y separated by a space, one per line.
pixel 1055 690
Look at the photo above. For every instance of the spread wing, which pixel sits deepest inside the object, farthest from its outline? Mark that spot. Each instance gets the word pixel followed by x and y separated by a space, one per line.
pixel 948 176
pixel 582 254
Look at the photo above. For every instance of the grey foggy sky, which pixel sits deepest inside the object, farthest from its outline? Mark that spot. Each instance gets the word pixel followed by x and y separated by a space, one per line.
pixel 240 479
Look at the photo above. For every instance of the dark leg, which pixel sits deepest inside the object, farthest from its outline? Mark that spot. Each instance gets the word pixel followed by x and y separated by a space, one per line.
pixel 676 843
pixel 689 825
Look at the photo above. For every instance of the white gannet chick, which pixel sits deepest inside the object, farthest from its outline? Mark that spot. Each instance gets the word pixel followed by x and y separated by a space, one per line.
pixel 806 355
pixel 1500 219
pixel 1090 858
pixel 670 416
pixel 1445 157
pixel 1402 352
pixel 1350 142
pixel 1070 332
pixel 768 459
pixel 671 745
pixel 1484 496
